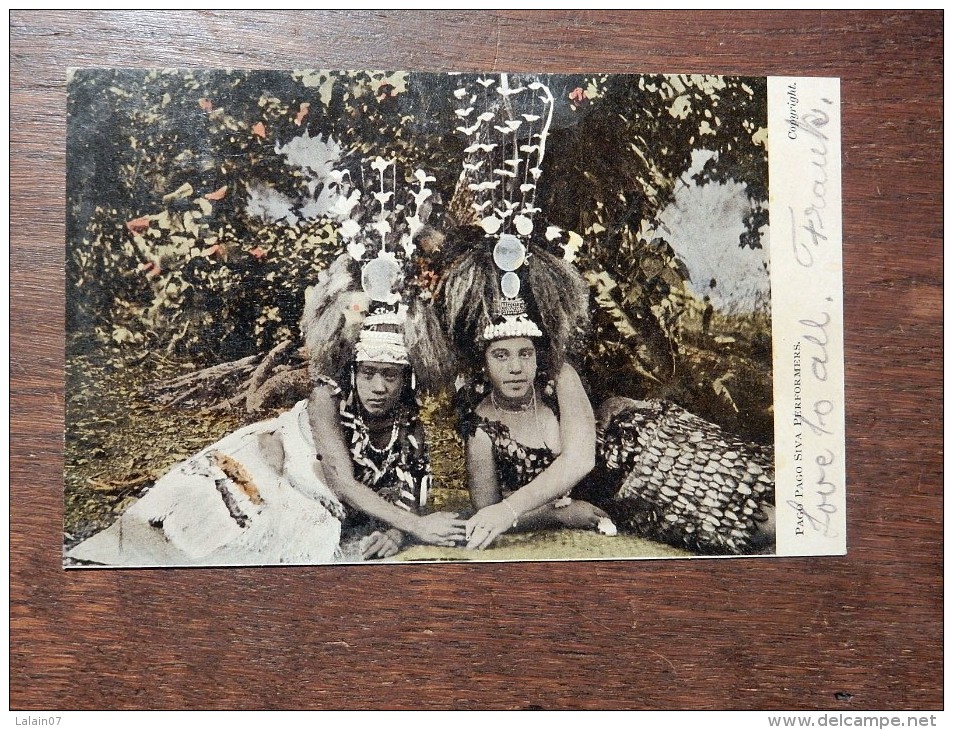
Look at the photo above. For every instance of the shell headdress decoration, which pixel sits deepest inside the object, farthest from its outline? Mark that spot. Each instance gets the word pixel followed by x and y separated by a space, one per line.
pixel 369 305
pixel 507 284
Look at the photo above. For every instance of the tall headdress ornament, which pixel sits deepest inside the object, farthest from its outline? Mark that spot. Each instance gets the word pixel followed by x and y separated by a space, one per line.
pixel 369 305
pixel 530 292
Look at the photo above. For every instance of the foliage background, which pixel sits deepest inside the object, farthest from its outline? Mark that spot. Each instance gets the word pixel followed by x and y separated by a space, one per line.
pixel 194 228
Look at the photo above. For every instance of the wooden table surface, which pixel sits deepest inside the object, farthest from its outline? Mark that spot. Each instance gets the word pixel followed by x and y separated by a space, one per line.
pixel 860 632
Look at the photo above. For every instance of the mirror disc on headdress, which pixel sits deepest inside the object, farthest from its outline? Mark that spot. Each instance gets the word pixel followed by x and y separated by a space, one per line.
pixel 491 224
pixel 524 225
pixel 378 278
pixel 509 252
pixel 510 285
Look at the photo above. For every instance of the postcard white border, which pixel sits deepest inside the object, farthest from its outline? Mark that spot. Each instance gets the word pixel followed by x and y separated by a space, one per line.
pixel 807 311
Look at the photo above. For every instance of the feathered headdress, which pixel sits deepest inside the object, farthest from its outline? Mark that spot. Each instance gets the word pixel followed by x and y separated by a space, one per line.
pixel 507 284
pixel 374 302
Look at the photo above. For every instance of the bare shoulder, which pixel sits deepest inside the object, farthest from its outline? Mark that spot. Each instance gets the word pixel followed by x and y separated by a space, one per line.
pixel 567 375
pixel 323 403
pixel 569 385
pixel 575 406
pixel 479 445
pixel 485 408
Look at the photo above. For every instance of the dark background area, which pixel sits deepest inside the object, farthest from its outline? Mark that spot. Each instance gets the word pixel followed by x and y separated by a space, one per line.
pixel 860 632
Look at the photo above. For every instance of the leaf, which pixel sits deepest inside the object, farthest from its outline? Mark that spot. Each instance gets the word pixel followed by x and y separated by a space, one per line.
pixel 302 112
pixel 183 191
pixel 189 224
pixel 152 269
pixel 259 129
pixel 121 334
pixel 577 97
pixel 634 294
pixel 571 247
pixel 604 285
pixel 720 389
pixel 164 220
pixel 671 277
pixel 217 194
pixel 138 225
pixel 270 205
pixel 651 267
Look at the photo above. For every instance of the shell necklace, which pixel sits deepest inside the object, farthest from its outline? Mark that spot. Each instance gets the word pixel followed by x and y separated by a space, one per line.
pixel 522 409
pixel 390 444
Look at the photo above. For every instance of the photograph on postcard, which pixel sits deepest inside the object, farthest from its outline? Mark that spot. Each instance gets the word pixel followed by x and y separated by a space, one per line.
pixel 331 317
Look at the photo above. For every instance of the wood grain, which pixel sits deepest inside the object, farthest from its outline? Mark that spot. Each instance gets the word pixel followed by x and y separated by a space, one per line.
pixel 731 634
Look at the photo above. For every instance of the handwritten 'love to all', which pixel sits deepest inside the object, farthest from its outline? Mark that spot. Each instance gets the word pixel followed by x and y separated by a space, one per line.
pixel 809 236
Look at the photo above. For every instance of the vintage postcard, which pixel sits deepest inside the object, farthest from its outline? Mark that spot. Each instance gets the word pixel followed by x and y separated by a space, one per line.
pixel 329 317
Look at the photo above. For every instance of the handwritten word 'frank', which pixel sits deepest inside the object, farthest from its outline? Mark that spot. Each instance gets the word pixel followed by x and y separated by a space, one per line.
pixel 808 232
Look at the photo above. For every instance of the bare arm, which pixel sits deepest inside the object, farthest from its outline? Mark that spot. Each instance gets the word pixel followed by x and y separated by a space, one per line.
pixel 481 471
pixel 335 458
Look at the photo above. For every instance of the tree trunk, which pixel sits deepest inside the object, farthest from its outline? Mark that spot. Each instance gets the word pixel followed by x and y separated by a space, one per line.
pixel 251 385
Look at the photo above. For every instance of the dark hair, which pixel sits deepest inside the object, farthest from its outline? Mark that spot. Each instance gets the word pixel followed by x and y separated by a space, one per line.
pixel 556 295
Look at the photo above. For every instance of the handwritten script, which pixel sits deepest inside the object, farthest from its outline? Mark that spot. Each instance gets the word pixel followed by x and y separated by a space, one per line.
pixel 814 416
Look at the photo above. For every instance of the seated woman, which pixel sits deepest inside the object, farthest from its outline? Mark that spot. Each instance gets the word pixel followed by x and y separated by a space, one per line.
pixel 649 467
pixel 522 460
pixel 372 450
pixel 515 305
pixel 344 474
pixel 662 472
pixel 527 423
